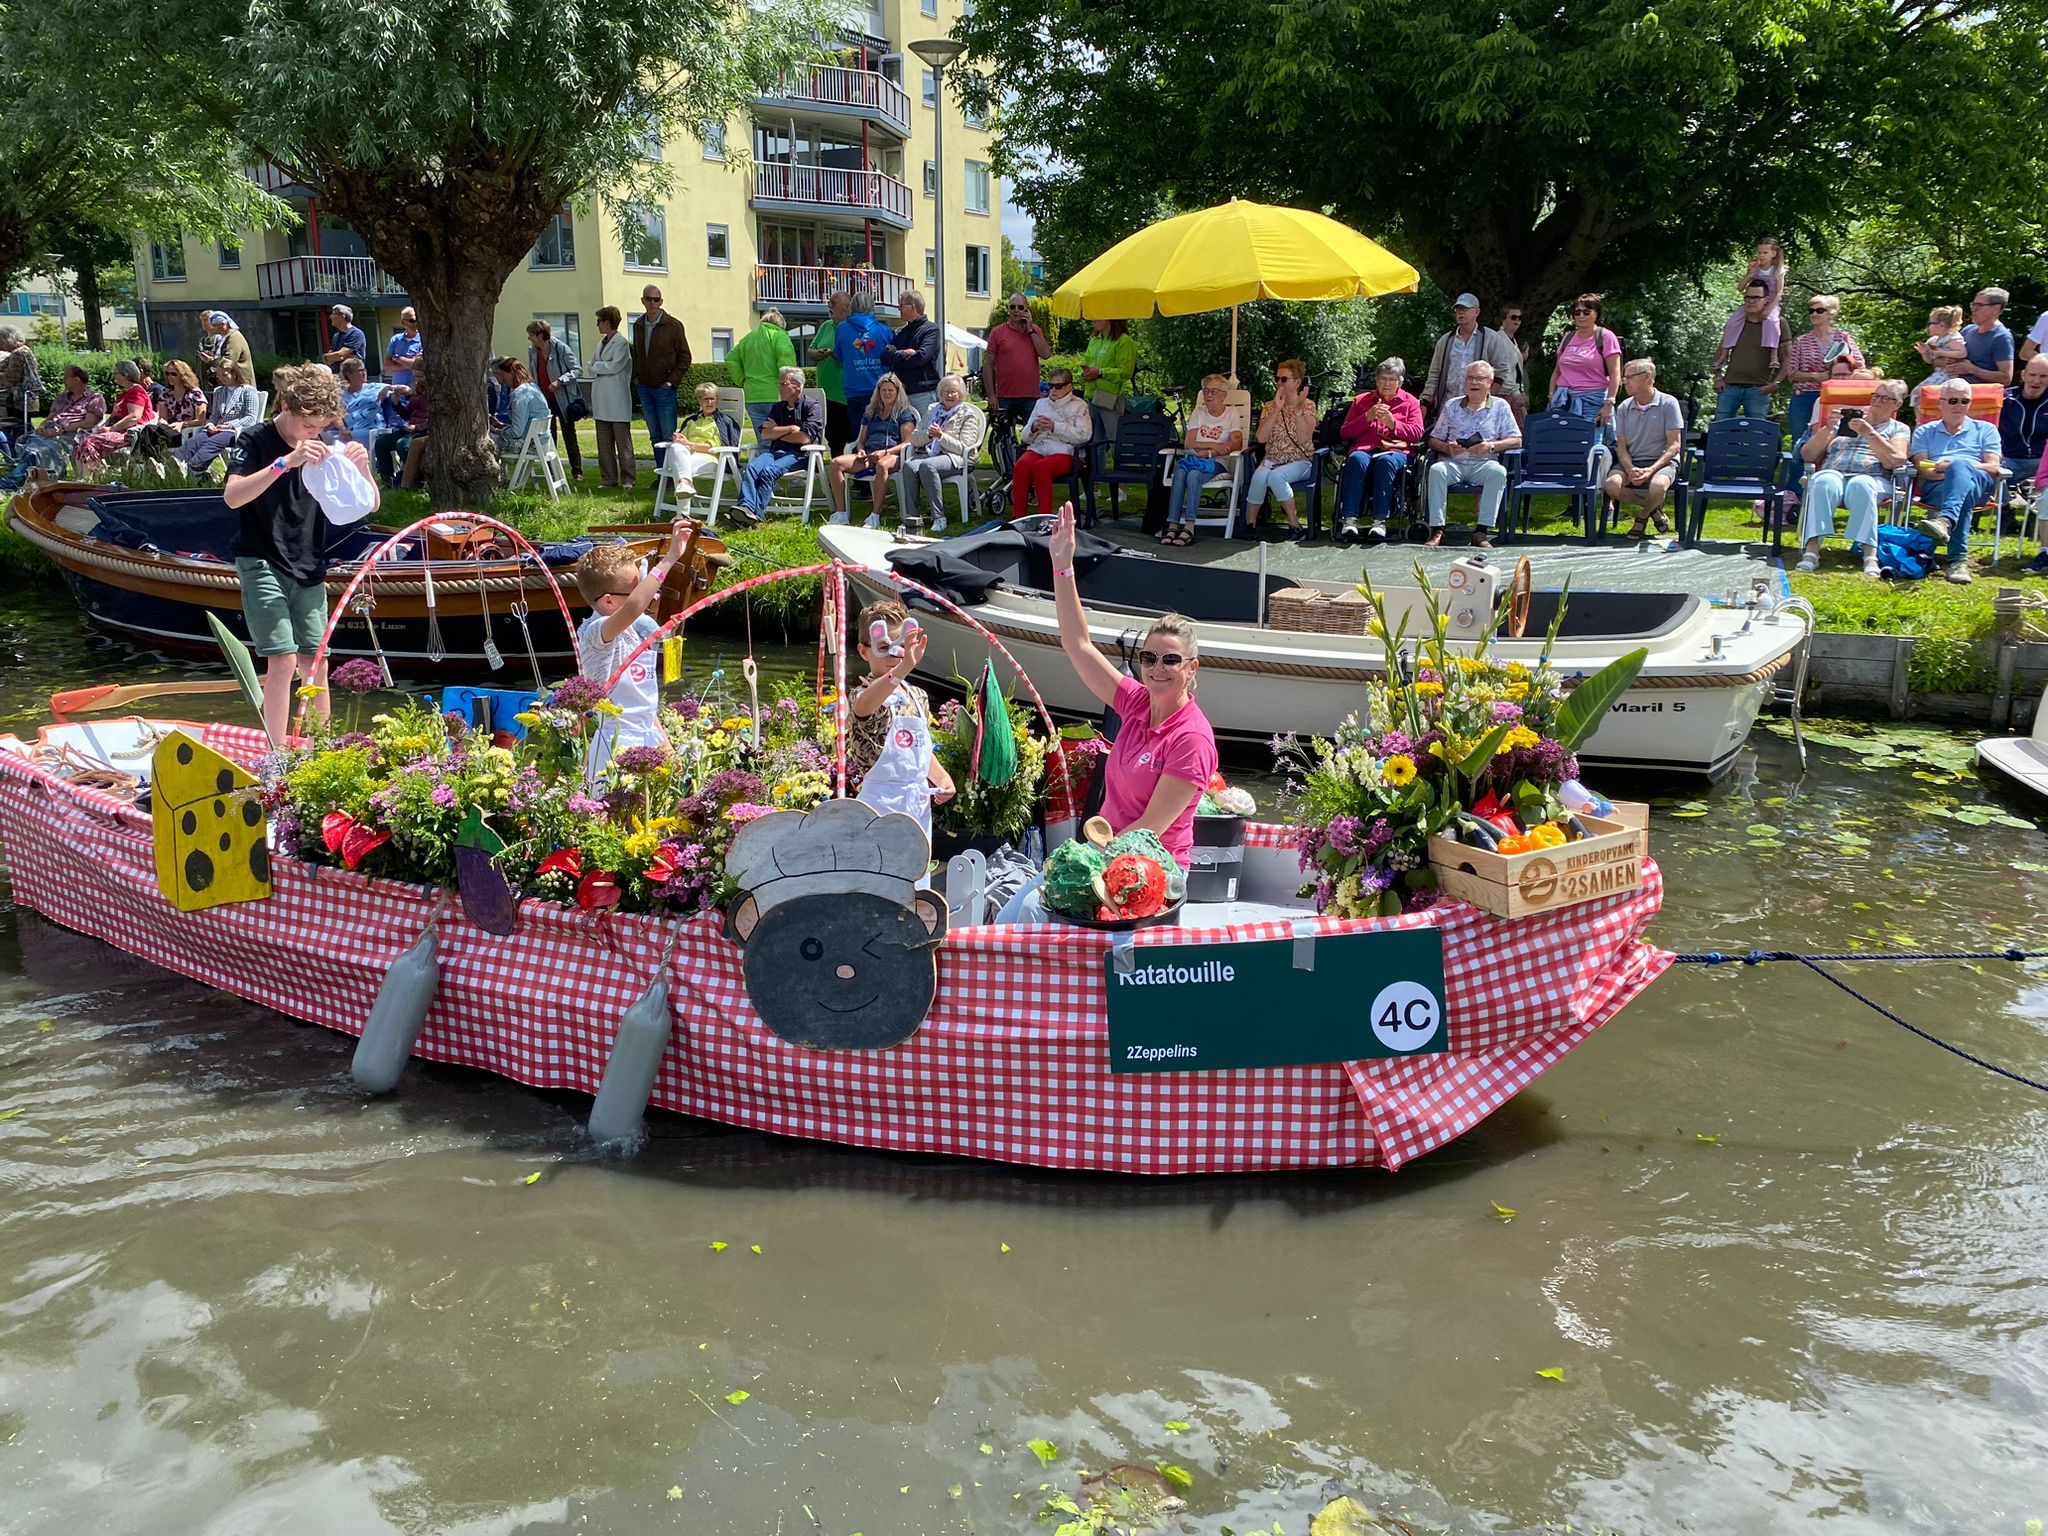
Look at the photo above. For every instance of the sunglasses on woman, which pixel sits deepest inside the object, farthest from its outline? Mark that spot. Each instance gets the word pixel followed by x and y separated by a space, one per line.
pixel 1167 659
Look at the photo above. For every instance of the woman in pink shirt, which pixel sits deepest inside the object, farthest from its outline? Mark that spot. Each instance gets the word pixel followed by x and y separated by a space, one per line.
pixel 1165 750
pixel 1587 381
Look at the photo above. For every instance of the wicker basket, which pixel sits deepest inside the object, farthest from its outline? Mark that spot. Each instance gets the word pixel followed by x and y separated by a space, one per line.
pixel 1305 610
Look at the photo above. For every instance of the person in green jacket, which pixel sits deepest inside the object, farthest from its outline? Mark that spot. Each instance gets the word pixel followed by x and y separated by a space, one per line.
pixel 1110 361
pixel 756 365
pixel 831 373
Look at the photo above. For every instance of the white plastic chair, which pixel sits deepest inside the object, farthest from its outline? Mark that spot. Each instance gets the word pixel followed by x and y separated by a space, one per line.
pixel 537 456
pixel 1229 479
pixel 676 493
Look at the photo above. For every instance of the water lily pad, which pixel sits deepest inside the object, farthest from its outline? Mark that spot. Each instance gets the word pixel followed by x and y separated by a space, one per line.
pixel 1347 1517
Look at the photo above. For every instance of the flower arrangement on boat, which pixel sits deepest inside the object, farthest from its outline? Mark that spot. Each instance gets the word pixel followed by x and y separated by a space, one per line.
pixel 1450 735
pixel 391 795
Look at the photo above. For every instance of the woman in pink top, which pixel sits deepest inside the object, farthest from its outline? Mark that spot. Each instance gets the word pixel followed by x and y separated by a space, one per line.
pixel 1588 376
pixel 131 410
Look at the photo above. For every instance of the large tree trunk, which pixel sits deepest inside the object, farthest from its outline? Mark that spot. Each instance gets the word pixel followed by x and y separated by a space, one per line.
pixel 89 301
pixel 452 247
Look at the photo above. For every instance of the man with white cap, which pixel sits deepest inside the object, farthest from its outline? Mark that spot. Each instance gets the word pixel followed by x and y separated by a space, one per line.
pixel 220 338
pixel 1464 344
pixel 347 336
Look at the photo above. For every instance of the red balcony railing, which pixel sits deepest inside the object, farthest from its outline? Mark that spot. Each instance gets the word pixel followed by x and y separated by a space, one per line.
pixel 864 194
pixel 860 91
pixel 325 277
pixel 810 286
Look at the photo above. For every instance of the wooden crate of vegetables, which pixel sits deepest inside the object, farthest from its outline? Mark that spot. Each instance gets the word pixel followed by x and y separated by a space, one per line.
pixel 1550 870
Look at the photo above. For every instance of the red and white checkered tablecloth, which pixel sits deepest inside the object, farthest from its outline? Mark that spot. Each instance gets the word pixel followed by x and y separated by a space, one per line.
pixel 1012 1063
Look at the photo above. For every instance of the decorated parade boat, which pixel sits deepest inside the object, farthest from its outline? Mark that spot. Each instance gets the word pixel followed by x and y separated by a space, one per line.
pixel 714 929
pixel 150 566
pixel 1282 655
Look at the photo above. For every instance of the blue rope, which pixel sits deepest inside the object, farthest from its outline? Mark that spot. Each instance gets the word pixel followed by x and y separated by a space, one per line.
pixel 1814 964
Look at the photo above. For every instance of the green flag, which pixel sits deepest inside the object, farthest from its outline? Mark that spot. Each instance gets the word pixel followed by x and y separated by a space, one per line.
pixel 995 744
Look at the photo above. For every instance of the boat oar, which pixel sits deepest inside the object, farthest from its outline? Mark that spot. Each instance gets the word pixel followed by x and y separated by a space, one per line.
pixel 105 696
pixel 241 663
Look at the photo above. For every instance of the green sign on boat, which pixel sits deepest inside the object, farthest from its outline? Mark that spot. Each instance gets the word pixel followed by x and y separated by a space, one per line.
pixel 1276 1002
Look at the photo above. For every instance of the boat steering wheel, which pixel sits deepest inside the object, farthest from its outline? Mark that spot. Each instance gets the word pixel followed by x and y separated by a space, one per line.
pixel 1520 589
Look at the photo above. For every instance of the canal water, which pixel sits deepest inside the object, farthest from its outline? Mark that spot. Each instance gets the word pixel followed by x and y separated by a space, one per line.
pixel 1750 1260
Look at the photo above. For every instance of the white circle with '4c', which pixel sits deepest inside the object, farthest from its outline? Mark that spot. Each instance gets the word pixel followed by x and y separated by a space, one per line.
pixel 1405 1016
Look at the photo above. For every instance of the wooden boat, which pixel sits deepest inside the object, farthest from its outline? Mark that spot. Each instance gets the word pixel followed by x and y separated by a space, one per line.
pixel 1709 672
pixel 1014 1061
pixel 150 565
pixel 2023 759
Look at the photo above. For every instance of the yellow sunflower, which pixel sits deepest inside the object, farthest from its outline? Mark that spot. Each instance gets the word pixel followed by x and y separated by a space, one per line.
pixel 1399 770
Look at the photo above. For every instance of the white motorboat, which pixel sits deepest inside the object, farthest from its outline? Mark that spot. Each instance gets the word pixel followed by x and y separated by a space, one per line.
pixel 1711 667
pixel 2023 759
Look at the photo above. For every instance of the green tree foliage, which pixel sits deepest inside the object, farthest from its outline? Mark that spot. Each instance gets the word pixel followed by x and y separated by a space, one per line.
pixel 96 264
pixel 449 132
pixel 1331 340
pixel 1520 148
pixel 88 139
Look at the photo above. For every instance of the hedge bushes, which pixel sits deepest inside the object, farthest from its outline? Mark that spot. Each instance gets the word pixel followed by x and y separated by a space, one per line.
pixel 52 360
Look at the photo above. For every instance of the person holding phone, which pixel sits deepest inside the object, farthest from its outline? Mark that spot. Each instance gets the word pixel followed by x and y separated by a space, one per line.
pixel 1855 454
pixel 1470 436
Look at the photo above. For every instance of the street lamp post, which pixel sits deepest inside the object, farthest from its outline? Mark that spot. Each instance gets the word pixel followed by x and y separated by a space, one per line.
pixel 938 52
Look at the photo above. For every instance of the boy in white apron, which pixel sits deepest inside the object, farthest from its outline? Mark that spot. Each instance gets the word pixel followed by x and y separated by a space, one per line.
pixel 619 591
pixel 890 744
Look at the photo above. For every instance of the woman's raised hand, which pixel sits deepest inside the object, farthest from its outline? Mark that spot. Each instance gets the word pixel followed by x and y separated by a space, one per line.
pixel 1061 546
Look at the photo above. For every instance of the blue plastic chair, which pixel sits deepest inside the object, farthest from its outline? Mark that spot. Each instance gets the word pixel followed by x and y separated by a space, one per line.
pixel 1739 461
pixel 1561 456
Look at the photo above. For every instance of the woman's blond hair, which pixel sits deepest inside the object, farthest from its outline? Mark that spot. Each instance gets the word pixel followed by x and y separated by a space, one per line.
pixel 1181 627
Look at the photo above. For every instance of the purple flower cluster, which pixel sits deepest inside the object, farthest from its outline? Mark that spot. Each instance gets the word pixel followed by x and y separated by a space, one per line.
pixel 721 790
pixel 578 695
pixel 1546 764
pixel 1506 712
pixel 444 796
pixel 641 761
pixel 361 675
pixel 696 872
pixel 586 805
pixel 525 790
pixel 457 724
pixel 689 707
pixel 1393 744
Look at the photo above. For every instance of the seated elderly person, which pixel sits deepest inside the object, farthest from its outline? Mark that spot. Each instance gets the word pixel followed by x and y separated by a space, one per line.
pixel 1854 454
pixel 75 412
pixel 2023 422
pixel 232 409
pixel 1471 434
pixel 693 451
pixel 1381 430
pixel 20 384
pixel 1957 461
pixel 793 424
pixel 132 411
pixel 947 447
pixel 527 406
pixel 1649 434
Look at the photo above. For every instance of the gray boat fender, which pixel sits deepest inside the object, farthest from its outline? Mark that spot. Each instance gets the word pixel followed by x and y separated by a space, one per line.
pixel 398 1015
pixel 629 1072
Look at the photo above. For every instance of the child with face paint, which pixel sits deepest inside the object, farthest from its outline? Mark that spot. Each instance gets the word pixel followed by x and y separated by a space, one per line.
pixel 890 744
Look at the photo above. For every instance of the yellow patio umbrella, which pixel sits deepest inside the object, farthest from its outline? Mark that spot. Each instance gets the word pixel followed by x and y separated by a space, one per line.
pixel 1229 255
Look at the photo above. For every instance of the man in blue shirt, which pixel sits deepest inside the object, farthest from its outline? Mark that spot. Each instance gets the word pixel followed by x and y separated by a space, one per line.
pixel 1987 344
pixel 859 340
pixel 406 348
pixel 1957 461
pixel 347 336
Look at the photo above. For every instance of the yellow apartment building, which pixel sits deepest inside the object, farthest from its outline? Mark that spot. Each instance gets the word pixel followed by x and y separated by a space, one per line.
pixel 840 179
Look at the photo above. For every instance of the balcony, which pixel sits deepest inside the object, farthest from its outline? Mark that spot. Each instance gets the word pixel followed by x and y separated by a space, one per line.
pixel 823 189
pixel 325 277
pixel 803 290
pixel 859 94
pixel 276 182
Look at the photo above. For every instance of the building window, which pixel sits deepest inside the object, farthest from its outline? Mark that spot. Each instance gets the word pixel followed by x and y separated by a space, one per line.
pixel 567 329
pixel 931 178
pixel 975 192
pixel 647 144
pixel 230 255
pixel 931 88
pixel 714 141
pixel 973 116
pixel 167 262
pixel 643 237
pixel 929 7
pixel 717 245
pixel 556 247
pixel 966 7
pixel 931 267
pixel 721 344
pixel 977 269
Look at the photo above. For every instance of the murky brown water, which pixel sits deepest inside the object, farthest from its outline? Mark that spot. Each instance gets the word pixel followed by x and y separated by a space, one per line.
pixel 236 1298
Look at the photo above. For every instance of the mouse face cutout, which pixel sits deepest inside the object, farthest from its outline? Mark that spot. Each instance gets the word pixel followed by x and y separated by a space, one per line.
pixel 843 972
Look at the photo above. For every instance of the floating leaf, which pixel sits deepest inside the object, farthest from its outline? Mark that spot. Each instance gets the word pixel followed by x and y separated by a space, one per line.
pixel 1761 829
pixel 1046 1452
pixel 904 1489
pixel 46 1025
pixel 675 1491
pixel 753 1247
pixel 1709 1140
pixel 720 1247
pixel 987 1449
pixel 1348 1517
pixel 1178 1426
pixel 11 1113
pixel 737 1396
pixel 1504 1212
pixel 1686 815
pixel 1860 906
pixel 1553 1373
pixel 534 1177
pixel 1180 1477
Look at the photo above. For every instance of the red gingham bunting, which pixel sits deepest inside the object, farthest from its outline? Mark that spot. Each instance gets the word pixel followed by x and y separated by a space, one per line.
pixel 1012 1063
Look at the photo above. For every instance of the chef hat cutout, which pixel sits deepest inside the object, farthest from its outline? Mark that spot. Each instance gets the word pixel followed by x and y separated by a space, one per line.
pixel 341 489
pixel 840 846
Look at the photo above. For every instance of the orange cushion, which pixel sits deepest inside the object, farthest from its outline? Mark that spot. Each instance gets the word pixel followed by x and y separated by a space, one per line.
pixel 1986 400
pixel 1854 392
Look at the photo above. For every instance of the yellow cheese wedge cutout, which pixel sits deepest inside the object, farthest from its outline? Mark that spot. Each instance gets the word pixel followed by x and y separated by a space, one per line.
pixel 212 843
